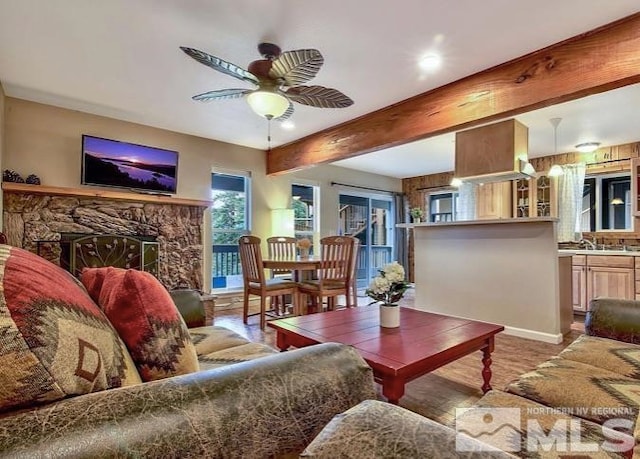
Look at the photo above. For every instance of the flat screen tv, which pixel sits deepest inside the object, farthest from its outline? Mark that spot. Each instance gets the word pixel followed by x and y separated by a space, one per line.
pixel 126 165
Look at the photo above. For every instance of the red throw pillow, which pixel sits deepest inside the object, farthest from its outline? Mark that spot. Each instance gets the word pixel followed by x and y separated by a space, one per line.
pixel 146 318
pixel 55 340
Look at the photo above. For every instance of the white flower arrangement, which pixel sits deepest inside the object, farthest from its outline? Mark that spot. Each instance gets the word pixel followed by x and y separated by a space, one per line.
pixel 390 285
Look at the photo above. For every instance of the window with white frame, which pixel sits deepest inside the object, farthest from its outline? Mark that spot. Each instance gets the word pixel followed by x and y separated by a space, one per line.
pixel 442 206
pixel 230 212
pixel 606 203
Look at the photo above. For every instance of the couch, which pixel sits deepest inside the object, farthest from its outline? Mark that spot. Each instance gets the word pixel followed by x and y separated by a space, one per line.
pixel 583 402
pixel 246 400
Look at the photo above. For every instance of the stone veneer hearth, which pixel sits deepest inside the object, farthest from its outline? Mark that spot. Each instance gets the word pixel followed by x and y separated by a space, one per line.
pixel 29 217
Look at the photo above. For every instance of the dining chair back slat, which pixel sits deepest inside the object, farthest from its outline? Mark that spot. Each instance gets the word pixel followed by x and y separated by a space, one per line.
pixel 281 247
pixel 254 279
pixel 251 259
pixel 334 274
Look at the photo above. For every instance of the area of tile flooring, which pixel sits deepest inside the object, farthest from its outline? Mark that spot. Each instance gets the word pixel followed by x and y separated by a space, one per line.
pixel 456 385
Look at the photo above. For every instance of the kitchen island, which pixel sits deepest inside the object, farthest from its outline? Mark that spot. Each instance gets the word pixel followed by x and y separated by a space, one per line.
pixel 503 271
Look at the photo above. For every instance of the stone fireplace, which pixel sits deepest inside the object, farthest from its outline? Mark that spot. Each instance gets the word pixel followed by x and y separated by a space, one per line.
pixel 44 219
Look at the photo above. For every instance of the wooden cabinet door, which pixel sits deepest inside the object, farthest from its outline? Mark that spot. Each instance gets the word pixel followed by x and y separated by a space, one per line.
pixel 579 288
pixel 610 283
pixel 493 201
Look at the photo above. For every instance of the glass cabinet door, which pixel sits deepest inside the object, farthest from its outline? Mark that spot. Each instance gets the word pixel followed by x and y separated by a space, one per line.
pixel 521 203
pixel 543 191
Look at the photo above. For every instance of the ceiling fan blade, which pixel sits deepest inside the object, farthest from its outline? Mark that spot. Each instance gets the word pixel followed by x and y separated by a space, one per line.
pixel 220 65
pixel 318 96
pixel 221 94
pixel 297 66
pixel 286 115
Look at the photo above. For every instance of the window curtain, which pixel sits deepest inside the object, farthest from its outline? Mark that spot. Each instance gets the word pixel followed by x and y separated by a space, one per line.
pixel 467 197
pixel 570 190
pixel 401 242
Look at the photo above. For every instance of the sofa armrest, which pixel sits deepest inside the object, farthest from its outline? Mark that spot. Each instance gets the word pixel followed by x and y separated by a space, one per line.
pixel 375 429
pixel 615 319
pixel 262 408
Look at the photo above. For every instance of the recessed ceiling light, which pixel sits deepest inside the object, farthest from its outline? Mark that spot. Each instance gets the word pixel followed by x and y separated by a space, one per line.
pixel 288 125
pixel 587 147
pixel 430 62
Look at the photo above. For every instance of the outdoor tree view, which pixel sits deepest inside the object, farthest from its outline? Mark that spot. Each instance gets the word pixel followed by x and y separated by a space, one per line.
pixel 228 223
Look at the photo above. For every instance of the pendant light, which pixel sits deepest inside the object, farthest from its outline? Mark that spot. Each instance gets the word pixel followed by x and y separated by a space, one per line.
pixel 556 170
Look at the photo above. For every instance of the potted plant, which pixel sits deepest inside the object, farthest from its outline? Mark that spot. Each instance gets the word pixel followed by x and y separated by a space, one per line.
pixel 416 214
pixel 388 288
pixel 304 245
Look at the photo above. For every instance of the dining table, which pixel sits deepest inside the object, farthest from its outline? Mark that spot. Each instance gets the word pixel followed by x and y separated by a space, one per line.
pixel 297 265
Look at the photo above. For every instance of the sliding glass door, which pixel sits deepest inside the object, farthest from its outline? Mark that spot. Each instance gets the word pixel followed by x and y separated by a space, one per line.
pixel 370 219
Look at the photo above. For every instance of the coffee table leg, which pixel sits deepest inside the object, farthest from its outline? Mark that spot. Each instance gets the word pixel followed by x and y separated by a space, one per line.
pixel 393 389
pixel 486 366
pixel 281 341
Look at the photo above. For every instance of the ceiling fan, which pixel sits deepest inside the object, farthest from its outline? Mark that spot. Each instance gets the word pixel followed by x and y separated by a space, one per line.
pixel 278 78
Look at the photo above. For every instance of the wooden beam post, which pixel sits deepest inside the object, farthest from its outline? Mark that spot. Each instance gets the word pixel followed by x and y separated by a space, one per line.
pixel 600 60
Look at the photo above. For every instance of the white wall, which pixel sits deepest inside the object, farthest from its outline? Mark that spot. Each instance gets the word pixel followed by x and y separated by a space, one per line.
pixel 45 140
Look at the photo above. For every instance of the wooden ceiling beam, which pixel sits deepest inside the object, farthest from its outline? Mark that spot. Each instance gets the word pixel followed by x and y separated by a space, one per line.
pixel 600 60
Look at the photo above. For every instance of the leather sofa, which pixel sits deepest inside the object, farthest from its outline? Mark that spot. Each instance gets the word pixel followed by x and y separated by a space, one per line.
pixel 583 402
pixel 247 401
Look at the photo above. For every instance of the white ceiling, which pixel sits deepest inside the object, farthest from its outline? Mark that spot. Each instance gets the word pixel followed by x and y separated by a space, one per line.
pixel 121 58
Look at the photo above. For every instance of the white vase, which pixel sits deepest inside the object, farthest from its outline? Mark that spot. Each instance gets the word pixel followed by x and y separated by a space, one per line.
pixel 389 316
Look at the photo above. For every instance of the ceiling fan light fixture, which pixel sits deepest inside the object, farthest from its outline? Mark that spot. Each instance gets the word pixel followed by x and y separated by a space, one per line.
pixel 587 147
pixel 269 104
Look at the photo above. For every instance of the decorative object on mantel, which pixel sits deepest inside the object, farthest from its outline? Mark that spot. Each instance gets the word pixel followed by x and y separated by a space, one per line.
pixel 416 214
pixel 304 245
pixel 33 179
pixel 9 175
pixel 388 288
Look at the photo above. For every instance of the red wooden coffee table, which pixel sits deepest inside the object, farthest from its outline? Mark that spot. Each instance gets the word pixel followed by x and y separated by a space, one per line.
pixel 423 342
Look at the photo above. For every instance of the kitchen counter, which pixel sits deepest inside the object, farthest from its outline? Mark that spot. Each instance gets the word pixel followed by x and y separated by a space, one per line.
pixel 502 221
pixel 503 271
pixel 628 253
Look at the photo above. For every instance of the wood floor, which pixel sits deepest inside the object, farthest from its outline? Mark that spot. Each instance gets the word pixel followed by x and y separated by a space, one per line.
pixel 457 385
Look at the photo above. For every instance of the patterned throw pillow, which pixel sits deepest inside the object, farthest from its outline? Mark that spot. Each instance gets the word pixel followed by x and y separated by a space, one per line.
pixel 54 340
pixel 146 318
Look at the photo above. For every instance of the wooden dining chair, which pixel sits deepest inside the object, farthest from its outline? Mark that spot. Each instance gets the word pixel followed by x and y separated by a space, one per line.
pixel 282 247
pixel 353 276
pixel 334 275
pixel 255 282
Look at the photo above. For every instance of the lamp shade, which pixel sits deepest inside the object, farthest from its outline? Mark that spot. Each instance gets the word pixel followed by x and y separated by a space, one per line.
pixel 616 201
pixel 555 171
pixel 282 222
pixel 268 103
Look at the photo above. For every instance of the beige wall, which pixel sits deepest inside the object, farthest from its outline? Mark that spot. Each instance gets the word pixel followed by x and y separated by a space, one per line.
pixel 45 140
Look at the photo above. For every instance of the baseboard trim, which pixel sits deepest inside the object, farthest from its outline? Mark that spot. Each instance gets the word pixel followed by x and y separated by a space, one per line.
pixel 534 335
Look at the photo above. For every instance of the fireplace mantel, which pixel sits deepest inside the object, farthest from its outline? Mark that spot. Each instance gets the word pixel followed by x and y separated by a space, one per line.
pixel 101 193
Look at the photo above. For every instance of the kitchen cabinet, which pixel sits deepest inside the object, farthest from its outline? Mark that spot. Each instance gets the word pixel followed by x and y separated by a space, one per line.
pixel 579 288
pixel 610 276
pixel 493 201
pixel 535 197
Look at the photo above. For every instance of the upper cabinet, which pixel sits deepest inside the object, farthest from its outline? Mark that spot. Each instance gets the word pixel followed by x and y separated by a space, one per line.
pixel 535 197
pixel 493 201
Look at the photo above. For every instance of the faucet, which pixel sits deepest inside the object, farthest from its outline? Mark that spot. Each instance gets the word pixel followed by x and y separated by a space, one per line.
pixel 591 244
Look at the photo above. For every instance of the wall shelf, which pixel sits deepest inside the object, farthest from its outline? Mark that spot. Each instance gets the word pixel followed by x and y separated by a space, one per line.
pixel 101 193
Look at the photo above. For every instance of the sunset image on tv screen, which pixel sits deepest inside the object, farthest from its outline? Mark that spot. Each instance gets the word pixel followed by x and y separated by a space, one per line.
pixel 121 164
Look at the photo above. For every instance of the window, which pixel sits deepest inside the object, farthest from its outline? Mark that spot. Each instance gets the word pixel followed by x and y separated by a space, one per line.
pixel 443 207
pixel 305 208
pixel 230 212
pixel 612 195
